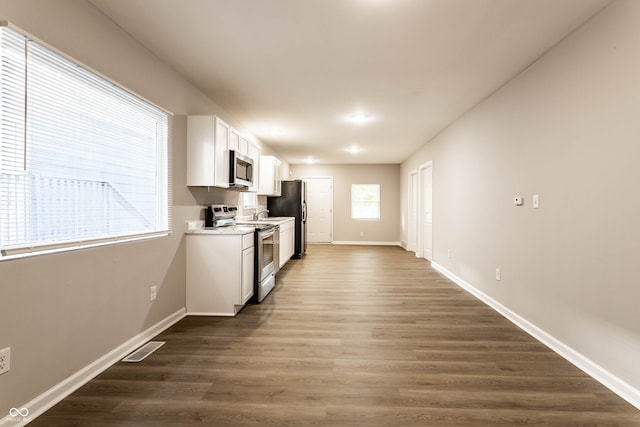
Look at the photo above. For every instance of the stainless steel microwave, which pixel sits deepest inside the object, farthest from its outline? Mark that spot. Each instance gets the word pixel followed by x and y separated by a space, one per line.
pixel 240 170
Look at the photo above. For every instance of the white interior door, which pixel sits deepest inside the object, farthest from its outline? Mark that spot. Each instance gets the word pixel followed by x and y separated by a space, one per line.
pixel 426 213
pixel 319 209
pixel 412 221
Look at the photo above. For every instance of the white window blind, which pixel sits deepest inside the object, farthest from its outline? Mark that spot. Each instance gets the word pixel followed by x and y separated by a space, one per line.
pixel 365 201
pixel 81 159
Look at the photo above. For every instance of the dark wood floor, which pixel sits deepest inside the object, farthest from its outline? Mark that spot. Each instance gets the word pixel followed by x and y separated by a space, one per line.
pixel 351 336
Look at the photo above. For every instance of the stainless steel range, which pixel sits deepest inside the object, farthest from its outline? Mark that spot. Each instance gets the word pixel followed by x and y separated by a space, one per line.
pixel 220 215
pixel 266 247
pixel 267 258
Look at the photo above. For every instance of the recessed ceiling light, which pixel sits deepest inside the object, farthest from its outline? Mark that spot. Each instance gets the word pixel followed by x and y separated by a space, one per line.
pixel 360 118
pixel 354 149
pixel 276 131
pixel 310 160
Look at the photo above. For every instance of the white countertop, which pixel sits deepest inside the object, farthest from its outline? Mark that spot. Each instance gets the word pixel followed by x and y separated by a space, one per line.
pixel 272 220
pixel 242 226
pixel 233 229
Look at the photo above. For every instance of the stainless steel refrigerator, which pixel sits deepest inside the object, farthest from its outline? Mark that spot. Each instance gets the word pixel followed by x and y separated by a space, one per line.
pixel 293 202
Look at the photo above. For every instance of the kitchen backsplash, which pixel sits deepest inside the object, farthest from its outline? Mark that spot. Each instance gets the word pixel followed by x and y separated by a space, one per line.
pixel 212 195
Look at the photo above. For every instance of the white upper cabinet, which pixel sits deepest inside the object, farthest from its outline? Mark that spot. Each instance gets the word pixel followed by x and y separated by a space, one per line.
pixel 234 141
pixel 253 151
pixel 208 151
pixel 244 146
pixel 270 183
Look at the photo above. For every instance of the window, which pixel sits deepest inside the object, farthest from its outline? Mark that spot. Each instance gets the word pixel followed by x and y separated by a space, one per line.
pixel 82 161
pixel 365 201
pixel 249 200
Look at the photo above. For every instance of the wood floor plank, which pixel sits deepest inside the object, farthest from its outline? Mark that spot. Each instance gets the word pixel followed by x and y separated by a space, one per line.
pixel 351 336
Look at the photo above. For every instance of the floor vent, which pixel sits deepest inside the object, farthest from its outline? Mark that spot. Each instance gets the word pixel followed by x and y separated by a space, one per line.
pixel 143 351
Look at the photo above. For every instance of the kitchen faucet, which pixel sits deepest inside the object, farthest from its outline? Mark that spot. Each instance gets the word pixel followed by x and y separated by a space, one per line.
pixel 256 216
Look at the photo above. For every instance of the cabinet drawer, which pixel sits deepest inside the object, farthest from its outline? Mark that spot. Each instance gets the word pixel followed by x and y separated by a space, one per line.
pixel 288 225
pixel 247 240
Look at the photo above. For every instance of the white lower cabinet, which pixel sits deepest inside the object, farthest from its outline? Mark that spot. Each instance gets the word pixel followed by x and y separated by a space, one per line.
pixel 248 256
pixel 287 241
pixel 219 273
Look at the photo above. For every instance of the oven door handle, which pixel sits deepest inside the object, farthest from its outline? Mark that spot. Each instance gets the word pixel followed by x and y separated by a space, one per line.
pixel 267 234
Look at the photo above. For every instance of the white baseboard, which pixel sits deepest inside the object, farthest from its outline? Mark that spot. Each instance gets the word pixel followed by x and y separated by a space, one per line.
pixel 606 378
pixel 55 394
pixel 211 314
pixel 360 242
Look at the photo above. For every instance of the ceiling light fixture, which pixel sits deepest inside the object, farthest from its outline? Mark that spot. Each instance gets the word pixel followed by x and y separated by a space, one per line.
pixel 354 149
pixel 360 118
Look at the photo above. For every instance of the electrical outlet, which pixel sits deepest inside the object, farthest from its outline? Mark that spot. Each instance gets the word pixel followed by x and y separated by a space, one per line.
pixel 449 253
pixel 498 274
pixel 5 360
pixel 362 234
pixel 153 293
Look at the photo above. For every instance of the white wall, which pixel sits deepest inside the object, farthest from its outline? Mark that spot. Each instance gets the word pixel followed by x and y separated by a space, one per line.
pixel 59 313
pixel 567 129
pixel 345 229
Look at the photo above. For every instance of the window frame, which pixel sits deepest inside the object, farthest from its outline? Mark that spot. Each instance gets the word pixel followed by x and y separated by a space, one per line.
pixel 377 202
pixel 163 176
pixel 249 200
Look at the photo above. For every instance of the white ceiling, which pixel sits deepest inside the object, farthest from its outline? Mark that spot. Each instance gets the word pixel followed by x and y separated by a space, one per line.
pixel 306 66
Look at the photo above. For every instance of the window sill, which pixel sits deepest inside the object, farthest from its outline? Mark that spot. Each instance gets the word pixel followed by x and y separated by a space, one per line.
pixel 28 252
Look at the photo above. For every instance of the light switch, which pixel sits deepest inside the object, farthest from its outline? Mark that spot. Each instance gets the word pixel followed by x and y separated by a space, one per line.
pixel 536 201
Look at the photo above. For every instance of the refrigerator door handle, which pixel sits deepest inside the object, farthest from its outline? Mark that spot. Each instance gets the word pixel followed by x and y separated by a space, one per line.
pixel 304 211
